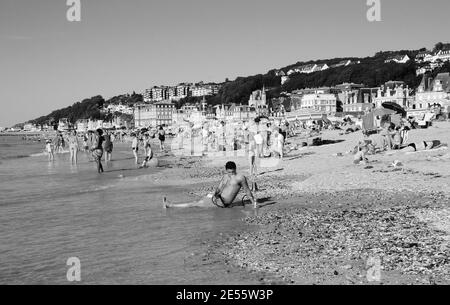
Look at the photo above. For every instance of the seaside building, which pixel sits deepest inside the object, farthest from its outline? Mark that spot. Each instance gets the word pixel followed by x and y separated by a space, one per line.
pixel 400 59
pixel 82 125
pixel 421 56
pixel 433 91
pixel 394 92
pixel 30 127
pixel 284 79
pixel 158 93
pixel 320 67
pixel 322 102
pixel 296 99
pixel 342 63
pixel 182 90
pixel 310 68
pixel 233 112
pixel 111 108
pixel 153 115
pixel 258 101
pixel 355 98
pixel 441 55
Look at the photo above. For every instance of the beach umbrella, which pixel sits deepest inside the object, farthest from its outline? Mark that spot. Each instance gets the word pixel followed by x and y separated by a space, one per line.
pixel 395 107
pixel 383 111
pixel 262 117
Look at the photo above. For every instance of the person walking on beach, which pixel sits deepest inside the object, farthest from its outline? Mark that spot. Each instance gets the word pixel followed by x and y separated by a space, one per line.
pixel 146 143
pixel 226 192
pixel 135 147
pixel 108 147
pixel 161 137
pixel 148 150
pixel 280 138
pixel 97 149
pixel 73 147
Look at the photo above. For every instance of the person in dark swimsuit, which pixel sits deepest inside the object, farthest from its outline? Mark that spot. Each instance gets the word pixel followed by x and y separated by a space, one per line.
pixel 225 194
pixel 161 137
pixel 421 146
pixel 97 149
pixel 107 146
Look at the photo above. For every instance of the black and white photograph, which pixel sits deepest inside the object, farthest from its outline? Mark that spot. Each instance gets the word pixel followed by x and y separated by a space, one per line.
pixel 251 144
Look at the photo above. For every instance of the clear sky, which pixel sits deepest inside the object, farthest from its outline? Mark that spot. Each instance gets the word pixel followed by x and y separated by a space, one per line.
pixel 122 46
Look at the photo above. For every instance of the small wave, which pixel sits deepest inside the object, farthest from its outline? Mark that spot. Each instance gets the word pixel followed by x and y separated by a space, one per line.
pixel 14 157
pixel 38 154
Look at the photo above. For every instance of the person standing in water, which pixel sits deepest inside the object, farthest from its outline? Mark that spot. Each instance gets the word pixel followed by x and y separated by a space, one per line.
pixel 85 143
pixel 161 137
pixel 226 192
pixel 63 143
pixel 135 147
pixel 49 149
pixel 73 147
pixel 108 147
pixel 147 149
pixel 56 143
pixel 97 149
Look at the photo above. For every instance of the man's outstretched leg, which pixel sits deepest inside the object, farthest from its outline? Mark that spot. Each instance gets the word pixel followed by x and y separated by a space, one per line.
pixel 203 203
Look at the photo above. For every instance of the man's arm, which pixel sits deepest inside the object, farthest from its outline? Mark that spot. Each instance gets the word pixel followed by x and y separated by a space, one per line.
pixel 244 185
pixel 220 187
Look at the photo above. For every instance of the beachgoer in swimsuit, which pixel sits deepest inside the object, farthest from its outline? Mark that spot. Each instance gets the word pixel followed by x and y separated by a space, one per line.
pixel 56 143
pixel 421 146
pixel 148 150
pixel 161 137
pixel 225 194
pixel 49 149
pixel 280 142
pixel 97 149
pixel 85 143
pixel 397 139
pixel 63 144
pixel 73 147
pixel 146 143
pixel 135 147
pixel 108 147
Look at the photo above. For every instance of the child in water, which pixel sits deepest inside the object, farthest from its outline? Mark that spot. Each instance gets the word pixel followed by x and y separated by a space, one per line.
pixel 49 150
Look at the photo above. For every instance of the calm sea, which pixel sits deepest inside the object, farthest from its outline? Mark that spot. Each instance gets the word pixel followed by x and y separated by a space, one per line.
pixel 51 211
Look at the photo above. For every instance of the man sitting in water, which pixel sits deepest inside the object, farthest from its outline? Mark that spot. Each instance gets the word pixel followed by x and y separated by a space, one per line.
pixel 226 192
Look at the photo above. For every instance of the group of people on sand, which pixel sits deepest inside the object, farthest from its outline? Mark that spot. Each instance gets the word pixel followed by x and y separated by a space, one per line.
pixel 143 139
pixel 264 137
pixel 390 138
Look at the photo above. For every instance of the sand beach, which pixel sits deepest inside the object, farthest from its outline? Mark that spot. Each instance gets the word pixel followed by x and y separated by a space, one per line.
pixel 323 219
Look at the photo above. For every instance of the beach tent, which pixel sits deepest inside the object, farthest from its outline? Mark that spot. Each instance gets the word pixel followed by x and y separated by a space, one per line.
pixel 368 120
